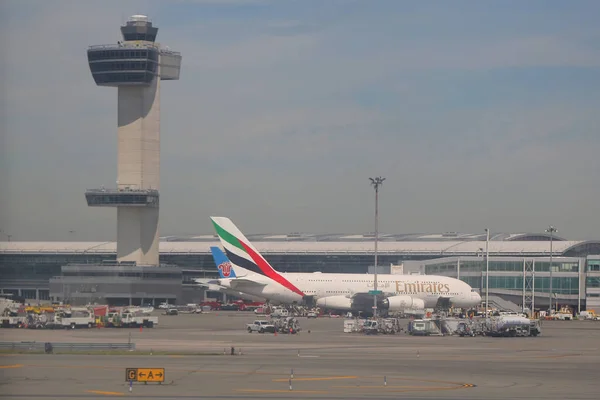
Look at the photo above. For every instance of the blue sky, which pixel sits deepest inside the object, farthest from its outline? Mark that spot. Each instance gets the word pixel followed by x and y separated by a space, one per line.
pixel 479 114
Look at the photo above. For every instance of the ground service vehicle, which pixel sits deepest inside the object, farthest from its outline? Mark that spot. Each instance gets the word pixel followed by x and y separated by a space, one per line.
pixel 261 326
pixel 133 320
pixel 74 318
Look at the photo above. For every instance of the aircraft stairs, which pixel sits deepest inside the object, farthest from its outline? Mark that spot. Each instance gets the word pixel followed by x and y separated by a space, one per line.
pixel 500 304
pixel 297 310
pixel 444 327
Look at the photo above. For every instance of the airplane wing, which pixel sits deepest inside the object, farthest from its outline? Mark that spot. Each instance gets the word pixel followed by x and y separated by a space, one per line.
pixel 203 281
pixel 236 284
pixel 210 284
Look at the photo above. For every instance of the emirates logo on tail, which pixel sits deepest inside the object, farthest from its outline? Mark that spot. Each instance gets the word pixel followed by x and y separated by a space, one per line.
pixel 225 269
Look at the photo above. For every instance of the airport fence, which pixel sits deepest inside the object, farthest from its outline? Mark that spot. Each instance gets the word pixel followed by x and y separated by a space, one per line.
pixel 32 346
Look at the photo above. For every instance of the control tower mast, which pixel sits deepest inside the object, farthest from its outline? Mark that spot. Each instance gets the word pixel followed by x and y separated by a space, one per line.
pixel 136 66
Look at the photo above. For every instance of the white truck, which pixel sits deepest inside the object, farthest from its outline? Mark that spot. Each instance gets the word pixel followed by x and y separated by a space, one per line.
pixel 261 326
pixel 562 316
pixel 129 319
pixel 279 312
pixel 12 322
pixel 589 315
pixel 74 318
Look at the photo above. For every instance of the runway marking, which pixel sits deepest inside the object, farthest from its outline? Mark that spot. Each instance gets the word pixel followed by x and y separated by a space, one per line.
pixel 206 371
pixel 558 356
pixel 211 371
pixel 385 389
pixel 73 366
pixel 421 380
pixel 309 356
pixel 408 388
pixel 390 387
pixel 280 391
pixel 323 378
pixel 105 393
pixel 11 366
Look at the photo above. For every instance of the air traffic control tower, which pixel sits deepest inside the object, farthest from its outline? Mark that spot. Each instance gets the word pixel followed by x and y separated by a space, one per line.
pixel 135 66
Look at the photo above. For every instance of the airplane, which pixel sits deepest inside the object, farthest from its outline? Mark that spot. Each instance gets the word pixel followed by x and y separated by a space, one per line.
pixel 344 292
pixel 225 272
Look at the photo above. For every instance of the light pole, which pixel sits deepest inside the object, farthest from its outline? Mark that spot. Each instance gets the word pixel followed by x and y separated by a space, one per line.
pixel 487 269
pixel 376 182
pixel 551 230
pixel 480 254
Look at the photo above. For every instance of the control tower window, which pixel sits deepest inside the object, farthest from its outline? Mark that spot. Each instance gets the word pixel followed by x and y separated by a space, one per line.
pixel 139 36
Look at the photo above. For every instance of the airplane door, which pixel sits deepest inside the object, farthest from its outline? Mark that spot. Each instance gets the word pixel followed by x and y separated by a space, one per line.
pixel 320 289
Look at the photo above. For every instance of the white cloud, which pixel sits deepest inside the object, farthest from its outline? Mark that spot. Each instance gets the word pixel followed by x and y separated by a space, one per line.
pixel 256 52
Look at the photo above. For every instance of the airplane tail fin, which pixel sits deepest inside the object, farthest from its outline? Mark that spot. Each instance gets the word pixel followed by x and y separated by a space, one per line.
pixel 242 253
pixel 225 268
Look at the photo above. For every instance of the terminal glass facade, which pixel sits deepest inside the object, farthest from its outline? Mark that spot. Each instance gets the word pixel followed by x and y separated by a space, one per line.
pixel 44 266
pixel 25 273
pixel 117 284
pixel 519 279
pixel 593 282
pixel 501 266
pixel 593 264
pixel 561 285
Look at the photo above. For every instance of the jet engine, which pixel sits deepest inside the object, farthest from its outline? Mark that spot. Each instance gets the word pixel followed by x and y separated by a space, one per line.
pixel 401 303
pixel 335 302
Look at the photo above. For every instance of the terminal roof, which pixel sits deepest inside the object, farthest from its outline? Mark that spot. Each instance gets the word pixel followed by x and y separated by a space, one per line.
pixel 432 248
pixel 369 237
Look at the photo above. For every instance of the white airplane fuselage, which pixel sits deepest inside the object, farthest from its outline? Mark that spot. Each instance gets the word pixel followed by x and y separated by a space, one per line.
pixel 330 290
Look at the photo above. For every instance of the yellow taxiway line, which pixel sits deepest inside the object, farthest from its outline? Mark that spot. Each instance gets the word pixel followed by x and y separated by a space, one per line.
pixel 393 387
pixel 322 378
pixel 378 388
pixel 106 393
pixel 11 366
pixel 280 391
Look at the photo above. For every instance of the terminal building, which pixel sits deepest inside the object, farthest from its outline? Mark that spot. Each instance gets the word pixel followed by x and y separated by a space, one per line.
pixel 518 264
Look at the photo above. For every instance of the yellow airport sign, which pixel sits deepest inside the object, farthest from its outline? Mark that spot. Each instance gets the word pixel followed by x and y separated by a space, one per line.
pixel 145 375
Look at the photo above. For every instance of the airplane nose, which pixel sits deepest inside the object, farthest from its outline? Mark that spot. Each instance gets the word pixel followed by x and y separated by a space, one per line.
pixel 476 297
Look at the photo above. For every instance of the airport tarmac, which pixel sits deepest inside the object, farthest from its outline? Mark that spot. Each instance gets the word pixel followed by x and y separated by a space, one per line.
pixel 326 363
